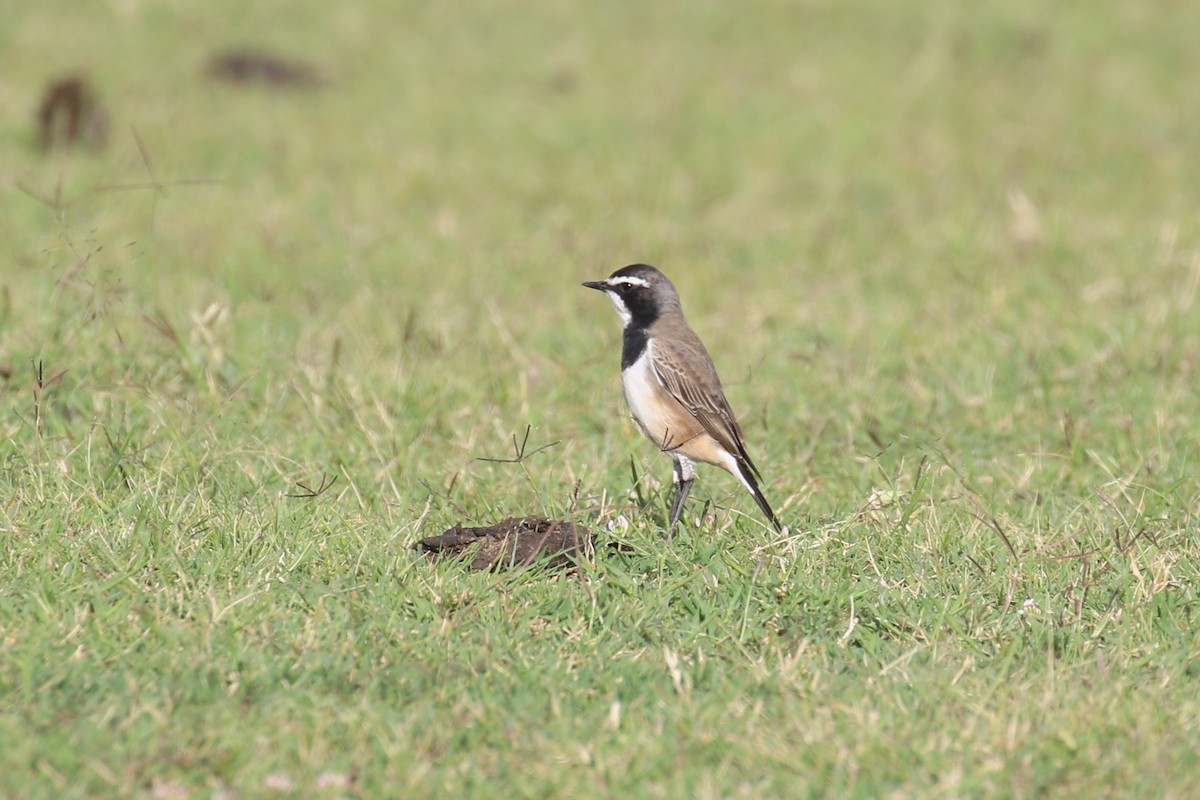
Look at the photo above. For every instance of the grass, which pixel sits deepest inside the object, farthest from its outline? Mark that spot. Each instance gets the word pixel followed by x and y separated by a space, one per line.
pixel 946 259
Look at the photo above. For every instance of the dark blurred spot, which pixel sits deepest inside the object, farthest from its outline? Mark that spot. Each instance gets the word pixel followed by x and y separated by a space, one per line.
pixel 71 115
pixel 252 66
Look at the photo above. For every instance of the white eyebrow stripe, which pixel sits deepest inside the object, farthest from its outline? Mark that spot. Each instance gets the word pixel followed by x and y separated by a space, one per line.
pixel 630 280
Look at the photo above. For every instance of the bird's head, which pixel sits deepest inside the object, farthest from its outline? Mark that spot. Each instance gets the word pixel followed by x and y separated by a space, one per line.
pixel 639 293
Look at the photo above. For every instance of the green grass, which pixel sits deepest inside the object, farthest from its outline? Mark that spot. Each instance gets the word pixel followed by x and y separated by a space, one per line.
pixel 946 259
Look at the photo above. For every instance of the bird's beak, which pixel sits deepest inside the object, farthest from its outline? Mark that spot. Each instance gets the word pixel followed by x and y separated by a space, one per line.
pixel 599 285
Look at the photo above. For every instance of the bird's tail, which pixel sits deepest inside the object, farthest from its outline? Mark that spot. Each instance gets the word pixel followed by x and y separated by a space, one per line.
pixel 749 477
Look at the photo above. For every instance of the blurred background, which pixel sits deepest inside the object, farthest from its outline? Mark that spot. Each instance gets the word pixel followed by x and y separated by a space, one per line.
pixel 534 139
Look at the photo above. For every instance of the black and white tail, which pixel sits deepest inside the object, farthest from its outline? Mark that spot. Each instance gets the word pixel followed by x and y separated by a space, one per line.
pixel 749 477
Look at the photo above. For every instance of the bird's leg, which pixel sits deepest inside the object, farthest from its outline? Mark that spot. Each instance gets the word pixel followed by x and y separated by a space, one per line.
pixel 681 492
pixel 684 475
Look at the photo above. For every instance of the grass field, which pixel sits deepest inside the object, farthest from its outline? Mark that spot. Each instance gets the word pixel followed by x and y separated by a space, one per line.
pixel 946 257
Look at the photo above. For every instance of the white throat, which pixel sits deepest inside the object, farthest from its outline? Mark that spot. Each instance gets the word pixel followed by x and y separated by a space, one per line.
pixel 621 308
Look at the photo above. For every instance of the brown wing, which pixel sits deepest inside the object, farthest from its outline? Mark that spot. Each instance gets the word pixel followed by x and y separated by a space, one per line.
pixel 698 389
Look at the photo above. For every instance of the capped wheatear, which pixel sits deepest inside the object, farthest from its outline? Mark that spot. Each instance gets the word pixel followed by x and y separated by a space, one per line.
pixel 672 387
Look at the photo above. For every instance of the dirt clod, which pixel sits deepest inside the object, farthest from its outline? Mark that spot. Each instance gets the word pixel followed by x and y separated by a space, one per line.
pixel 514 542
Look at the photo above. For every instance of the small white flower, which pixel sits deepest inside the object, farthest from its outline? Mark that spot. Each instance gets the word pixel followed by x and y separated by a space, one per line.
pixel 619 524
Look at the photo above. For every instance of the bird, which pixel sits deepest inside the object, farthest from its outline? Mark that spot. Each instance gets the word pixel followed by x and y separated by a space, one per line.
pixel 672 388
